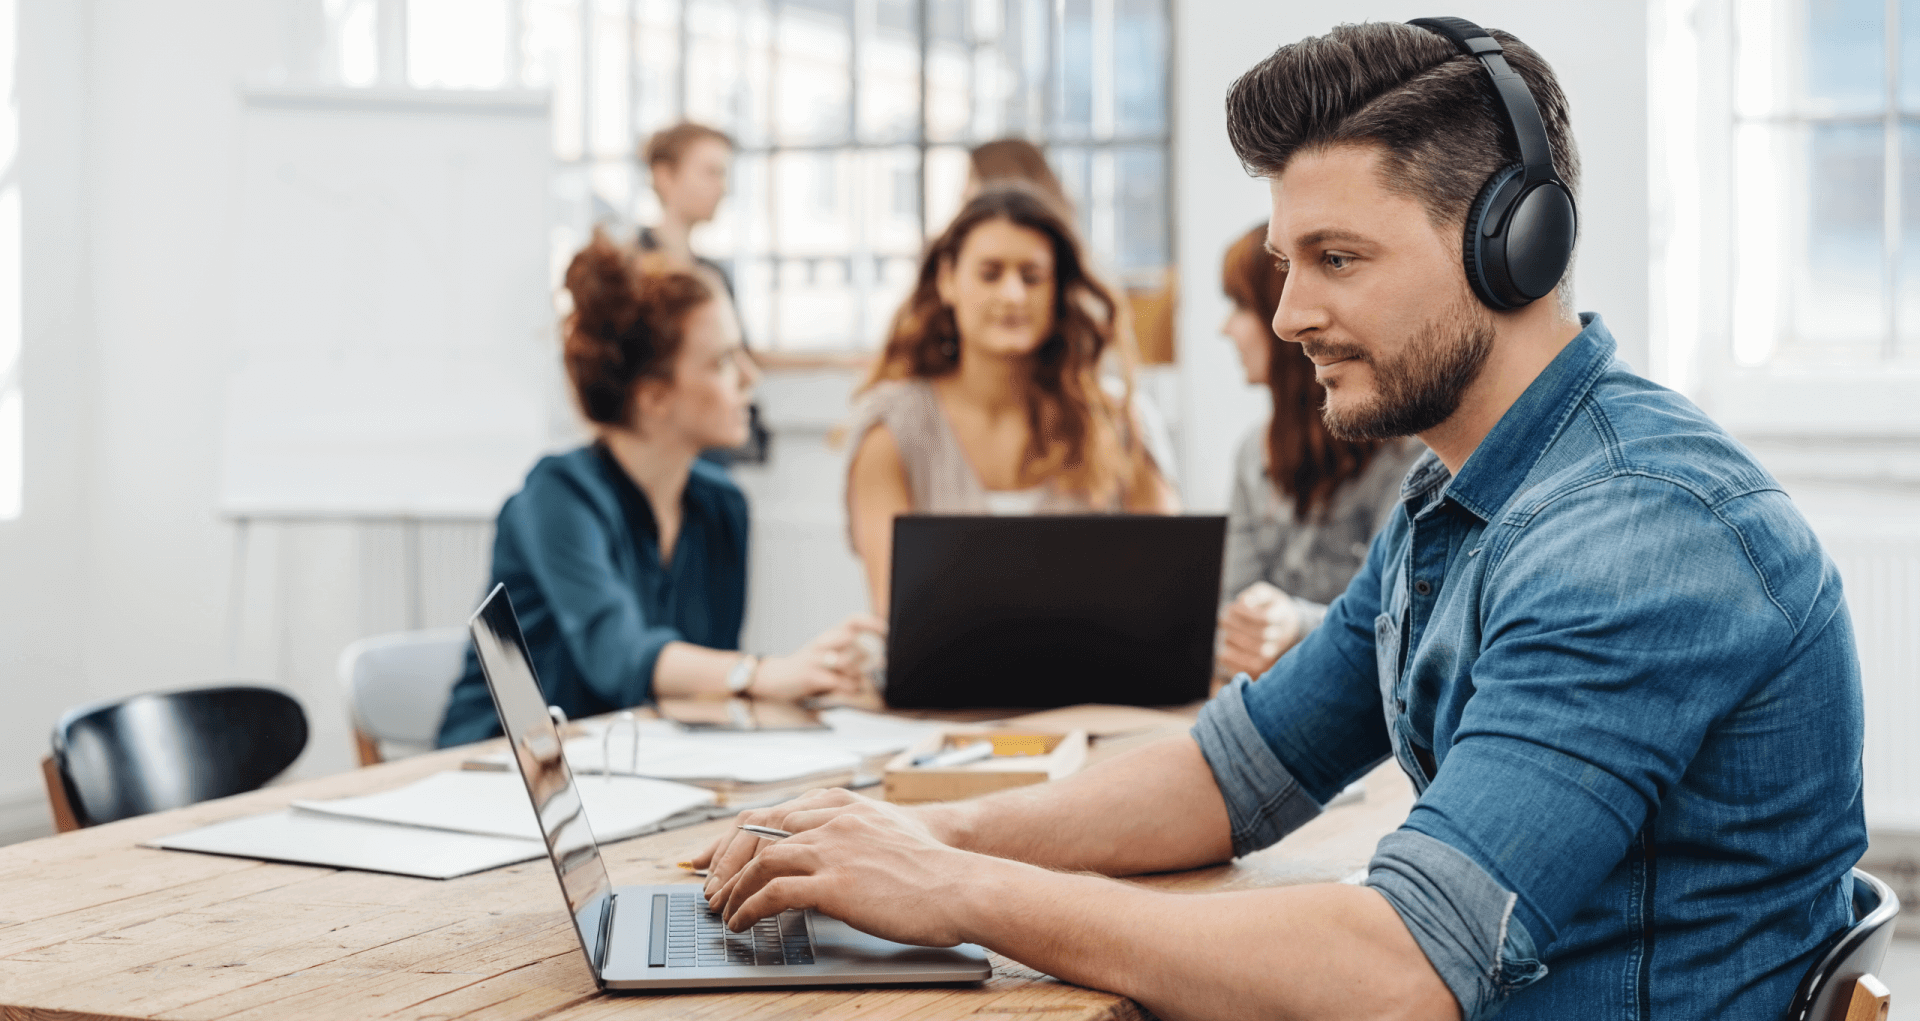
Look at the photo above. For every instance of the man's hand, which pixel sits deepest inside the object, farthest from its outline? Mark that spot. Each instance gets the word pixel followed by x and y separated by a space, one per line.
pixel 875 866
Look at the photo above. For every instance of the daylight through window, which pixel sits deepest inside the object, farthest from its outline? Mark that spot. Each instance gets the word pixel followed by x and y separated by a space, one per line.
pixel 853 119
pixel 1826 168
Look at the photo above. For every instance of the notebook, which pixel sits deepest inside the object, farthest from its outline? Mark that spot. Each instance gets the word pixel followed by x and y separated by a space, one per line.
pixel 445 825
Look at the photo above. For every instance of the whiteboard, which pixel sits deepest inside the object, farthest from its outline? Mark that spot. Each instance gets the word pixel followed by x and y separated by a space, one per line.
pixel 393 348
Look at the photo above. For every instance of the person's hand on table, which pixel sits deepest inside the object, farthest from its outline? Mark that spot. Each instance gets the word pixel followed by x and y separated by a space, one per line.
pixel 878 867
pixel 1259 625
pixel 831 665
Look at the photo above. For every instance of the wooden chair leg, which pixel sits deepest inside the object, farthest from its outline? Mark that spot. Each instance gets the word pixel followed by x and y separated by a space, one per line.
pixel 64 821
pixel 367 747
pixel 1870 1000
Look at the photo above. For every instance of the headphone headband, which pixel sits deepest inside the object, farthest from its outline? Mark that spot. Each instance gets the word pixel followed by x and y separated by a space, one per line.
pixel 1523 114
pixel 1521 228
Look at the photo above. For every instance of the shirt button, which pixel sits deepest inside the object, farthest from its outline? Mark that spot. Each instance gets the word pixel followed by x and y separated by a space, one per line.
pixel 1423 588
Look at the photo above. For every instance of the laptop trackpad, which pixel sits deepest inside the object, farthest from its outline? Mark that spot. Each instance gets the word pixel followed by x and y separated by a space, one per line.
pixel 836 942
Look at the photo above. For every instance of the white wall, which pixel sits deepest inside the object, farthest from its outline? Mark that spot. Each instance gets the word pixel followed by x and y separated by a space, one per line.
pixel 116 573
pixel 1597 48
pixel 43 554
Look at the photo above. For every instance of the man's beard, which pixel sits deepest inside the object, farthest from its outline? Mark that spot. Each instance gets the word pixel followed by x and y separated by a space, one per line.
pixel 1421 388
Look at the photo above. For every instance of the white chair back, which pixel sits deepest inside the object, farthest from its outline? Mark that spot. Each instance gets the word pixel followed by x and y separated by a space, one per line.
pixel 397 686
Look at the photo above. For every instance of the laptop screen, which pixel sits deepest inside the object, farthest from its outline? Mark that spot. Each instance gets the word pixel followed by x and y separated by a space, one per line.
pixel 536 749
pixel 1052 610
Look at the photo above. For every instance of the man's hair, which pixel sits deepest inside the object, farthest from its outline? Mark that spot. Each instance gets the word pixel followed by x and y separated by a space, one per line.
pixel 1430 109
pixel 669 144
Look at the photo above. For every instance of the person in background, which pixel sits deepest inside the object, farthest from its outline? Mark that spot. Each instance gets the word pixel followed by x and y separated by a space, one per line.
pixel 1305 505
pixel 626 560
pixel 1018 161
pixel 1014 159
pixel 688 165
pixel 988 397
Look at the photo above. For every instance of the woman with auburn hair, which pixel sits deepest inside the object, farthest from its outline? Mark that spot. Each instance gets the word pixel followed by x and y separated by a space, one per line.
pixel 988 397
pixel 1305 505
pixel 627 559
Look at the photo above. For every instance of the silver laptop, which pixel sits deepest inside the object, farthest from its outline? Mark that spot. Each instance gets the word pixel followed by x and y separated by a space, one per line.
pixel 663 937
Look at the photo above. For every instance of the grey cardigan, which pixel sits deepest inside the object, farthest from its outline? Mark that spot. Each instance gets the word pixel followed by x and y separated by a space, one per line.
pixel 1312 561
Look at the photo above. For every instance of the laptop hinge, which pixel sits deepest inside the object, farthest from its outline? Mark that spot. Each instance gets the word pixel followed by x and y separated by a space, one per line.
pixel 606 934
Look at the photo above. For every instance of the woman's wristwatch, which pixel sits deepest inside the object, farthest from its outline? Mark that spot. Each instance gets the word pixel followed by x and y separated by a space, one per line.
pixel 740 675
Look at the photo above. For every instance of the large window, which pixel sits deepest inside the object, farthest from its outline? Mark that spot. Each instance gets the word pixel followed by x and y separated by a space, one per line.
pixel 853 119
pixel 1787 156
pixel 1826 161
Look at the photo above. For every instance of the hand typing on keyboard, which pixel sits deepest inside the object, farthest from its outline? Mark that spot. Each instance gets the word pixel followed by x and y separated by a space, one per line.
pixel 875 866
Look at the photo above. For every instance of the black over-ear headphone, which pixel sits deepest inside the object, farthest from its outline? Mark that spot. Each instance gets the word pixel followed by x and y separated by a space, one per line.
pixel 1521 228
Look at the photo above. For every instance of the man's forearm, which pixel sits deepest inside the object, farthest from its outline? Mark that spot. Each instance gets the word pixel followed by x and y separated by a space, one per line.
pixel 1153 809
pixel 1304 951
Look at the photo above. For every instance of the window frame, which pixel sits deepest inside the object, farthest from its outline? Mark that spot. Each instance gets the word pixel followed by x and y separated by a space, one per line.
pixel 1102 141
pixel 1696 179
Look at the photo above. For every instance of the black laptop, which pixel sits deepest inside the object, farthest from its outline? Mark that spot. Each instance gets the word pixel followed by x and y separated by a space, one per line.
pixel 1052 610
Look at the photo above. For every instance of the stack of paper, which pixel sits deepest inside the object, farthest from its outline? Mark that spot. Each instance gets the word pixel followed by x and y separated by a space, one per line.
pixel 742 768
pixel 495 804
pixel 448 824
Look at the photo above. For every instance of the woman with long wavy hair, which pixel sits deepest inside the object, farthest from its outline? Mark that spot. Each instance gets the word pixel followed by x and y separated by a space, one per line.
pixel 1305 505
pixel 989 397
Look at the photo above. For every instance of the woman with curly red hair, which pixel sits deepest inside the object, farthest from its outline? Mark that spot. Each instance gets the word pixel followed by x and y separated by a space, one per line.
pixel 627 559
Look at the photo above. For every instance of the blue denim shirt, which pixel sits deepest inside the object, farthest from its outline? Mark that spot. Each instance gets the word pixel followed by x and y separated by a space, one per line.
pixel 1619 669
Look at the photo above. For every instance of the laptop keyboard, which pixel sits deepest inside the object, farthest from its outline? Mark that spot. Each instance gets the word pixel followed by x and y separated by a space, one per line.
pixel 698 938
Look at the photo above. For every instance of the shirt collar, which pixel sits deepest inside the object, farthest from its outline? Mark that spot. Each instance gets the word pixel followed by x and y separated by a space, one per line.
pixel 1501 462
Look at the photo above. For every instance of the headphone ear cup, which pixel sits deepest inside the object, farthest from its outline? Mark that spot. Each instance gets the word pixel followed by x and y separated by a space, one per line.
pixel 1485 257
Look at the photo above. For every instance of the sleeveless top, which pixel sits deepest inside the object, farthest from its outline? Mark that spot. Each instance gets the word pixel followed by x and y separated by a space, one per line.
pixel 940 479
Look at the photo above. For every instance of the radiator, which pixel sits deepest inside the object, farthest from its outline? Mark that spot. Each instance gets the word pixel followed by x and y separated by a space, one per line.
pixel 421 574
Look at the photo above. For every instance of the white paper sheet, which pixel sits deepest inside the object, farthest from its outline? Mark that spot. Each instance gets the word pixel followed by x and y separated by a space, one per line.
pixel 495 804
pixel 857 733
pixel 672 755
pixel 305 838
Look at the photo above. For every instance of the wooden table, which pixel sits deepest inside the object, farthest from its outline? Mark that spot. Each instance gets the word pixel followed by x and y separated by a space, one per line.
pixel 93 927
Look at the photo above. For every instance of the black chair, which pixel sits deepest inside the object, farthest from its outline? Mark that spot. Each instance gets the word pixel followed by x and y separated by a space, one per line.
pixel 169 749
pixel 1841 984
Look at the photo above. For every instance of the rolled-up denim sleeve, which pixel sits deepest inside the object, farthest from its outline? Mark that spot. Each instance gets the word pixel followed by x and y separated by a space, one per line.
pixel 1461 918
pixel 1264 802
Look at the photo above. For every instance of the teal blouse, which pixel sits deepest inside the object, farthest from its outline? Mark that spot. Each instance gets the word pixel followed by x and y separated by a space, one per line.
pixel 579 552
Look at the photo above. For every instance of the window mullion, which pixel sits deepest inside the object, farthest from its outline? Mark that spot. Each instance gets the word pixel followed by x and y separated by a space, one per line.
pixel 1891 213
pixel 860 17
pixel 776 252
pixel 920 189
pixel 587 152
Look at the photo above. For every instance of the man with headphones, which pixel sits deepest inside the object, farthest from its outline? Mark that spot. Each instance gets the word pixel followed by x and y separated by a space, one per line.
pixel 1603 644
